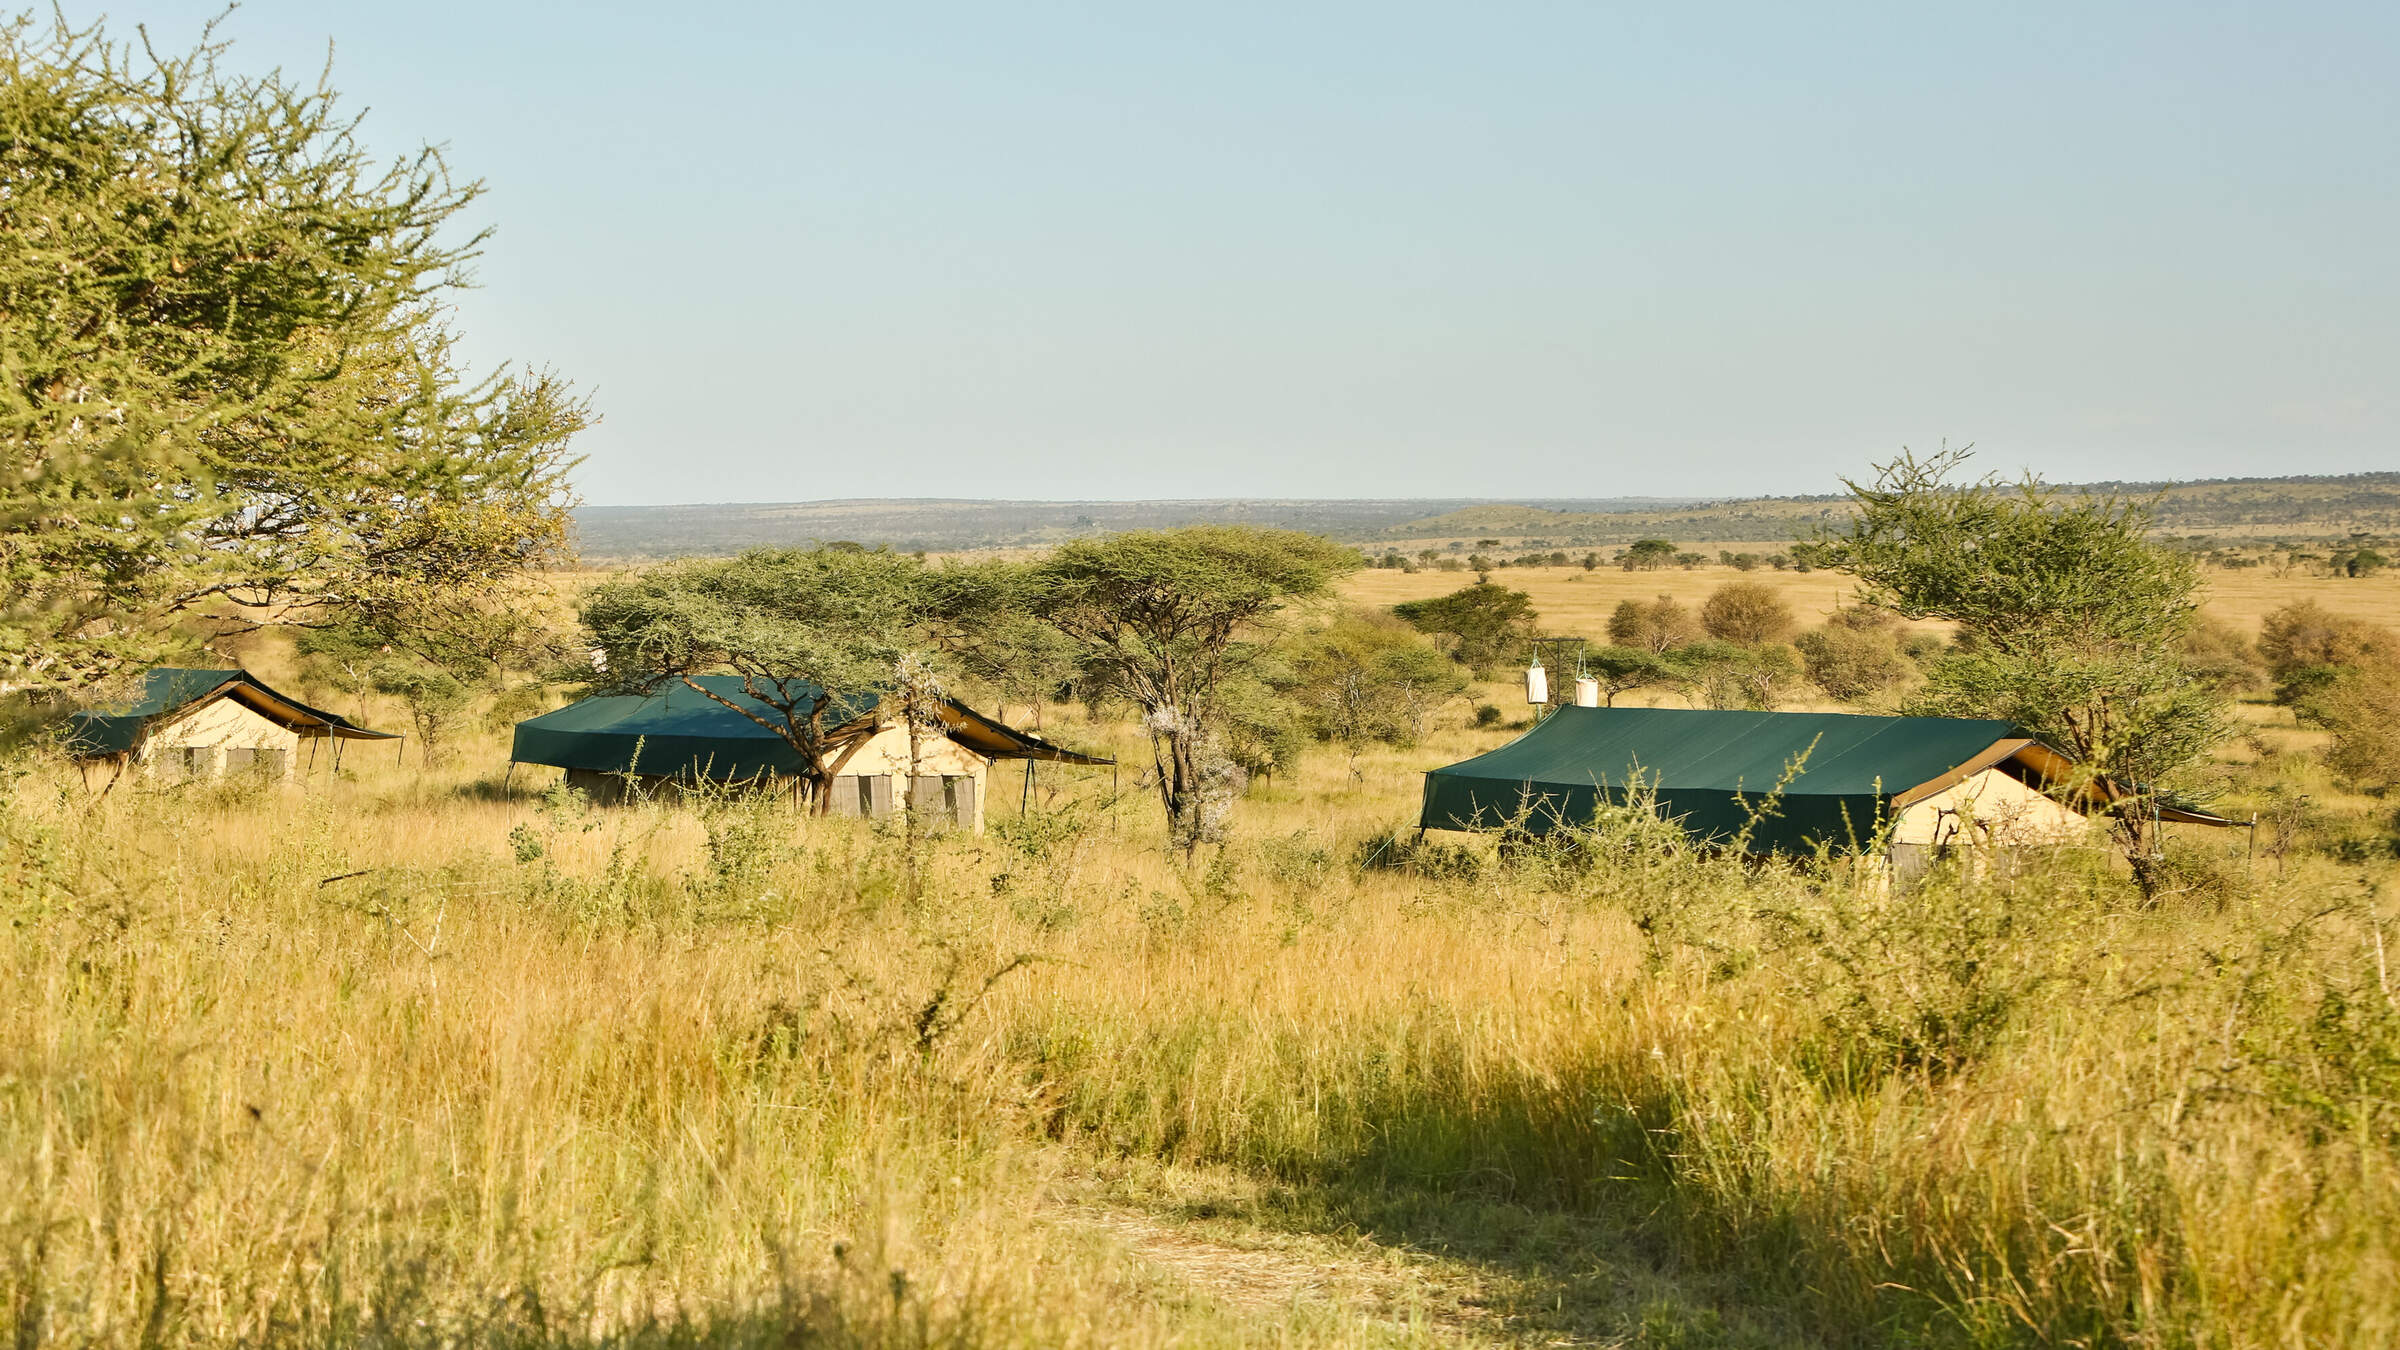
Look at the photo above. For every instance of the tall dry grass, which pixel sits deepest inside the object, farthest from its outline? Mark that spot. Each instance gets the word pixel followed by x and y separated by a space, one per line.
pixel 530 1072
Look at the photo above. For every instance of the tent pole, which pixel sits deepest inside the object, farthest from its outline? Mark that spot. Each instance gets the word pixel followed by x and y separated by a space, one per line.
pixel 1026 797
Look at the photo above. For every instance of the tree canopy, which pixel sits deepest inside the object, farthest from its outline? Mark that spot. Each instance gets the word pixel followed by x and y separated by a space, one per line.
pixel 1158 614
pixel 1489 622
pixel 228 387
pixel 809 631
pixel 2070 619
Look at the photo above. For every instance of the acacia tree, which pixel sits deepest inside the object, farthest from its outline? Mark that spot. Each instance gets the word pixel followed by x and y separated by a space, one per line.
pixel 1161 613
pixel 1621 670
pixel 813 635
pixel 981 617
pixel 227 390
pixel 1490 622
pixel 2071 622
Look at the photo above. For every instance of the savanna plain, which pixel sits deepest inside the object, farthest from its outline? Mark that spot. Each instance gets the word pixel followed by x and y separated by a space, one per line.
pixel 426 1054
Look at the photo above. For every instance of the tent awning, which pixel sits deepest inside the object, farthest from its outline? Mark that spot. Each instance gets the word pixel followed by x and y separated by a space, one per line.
pixel 171 691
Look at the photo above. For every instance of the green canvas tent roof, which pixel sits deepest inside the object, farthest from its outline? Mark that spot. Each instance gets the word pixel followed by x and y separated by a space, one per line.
pixel 679 731
pixel 170 690
pixel 1709 770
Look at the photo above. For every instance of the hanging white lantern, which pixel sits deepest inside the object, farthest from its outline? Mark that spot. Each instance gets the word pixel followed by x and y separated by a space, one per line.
pixel 1587 692
pixel 1537 683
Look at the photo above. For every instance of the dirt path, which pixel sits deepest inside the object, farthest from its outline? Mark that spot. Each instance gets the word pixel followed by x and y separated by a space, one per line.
pixel 1392 1291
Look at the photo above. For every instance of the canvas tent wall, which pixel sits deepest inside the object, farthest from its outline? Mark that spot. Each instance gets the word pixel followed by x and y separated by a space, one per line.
pixel 678 735
pixel 1837 780
pixel 190 723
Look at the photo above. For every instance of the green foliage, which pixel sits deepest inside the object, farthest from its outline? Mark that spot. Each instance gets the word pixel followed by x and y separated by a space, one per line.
pixel 2071 620
pixel 809 631
pixel 229 388
pixel 1647 555
pixel 438 702
pixel 1367 678
pixel 1157 615
pixel 1926 981
pixel 1724 675
pixel 1748 612
pixel 2222 657
pixel 1488 624
pixel 1654 625
pixel 1854 664
pixel 2360 705
pixel 2361 561
pixel 982 617
pixel 2306 647
pixel 1257 729
pixel 1623 669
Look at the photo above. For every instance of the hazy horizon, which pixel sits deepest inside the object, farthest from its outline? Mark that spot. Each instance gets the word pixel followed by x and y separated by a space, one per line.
pixel 1340 251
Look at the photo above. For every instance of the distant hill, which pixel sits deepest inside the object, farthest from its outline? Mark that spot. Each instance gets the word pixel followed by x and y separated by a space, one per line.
pixel 2234 507
pixel 2303 507
pixel 632 533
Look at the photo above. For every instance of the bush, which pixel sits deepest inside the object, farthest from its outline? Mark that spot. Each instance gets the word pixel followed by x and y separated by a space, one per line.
pixel 1854 664
pixel 1747 612
pixel 2361 707
pixel 2304 643
pixel 1654 626
pixel 2219 656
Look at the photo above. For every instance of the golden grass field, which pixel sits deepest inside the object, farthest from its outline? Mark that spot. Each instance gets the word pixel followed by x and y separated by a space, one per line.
pixel 401 1058
pixel 1575 602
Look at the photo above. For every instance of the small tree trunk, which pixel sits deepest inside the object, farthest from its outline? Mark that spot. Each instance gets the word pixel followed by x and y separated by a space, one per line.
pixel 1183 797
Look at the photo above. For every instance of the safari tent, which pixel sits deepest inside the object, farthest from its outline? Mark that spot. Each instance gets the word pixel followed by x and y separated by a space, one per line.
pixel 657 743
pixel 1845 779
pixel 191 724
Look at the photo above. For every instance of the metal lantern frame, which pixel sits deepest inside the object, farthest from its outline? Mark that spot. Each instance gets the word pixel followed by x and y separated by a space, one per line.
pixel 1557 655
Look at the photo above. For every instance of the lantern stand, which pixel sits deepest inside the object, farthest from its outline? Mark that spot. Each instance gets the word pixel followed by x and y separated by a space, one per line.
pixel 1553 655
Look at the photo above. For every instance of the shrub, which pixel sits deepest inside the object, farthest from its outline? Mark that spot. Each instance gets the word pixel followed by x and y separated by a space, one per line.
pixel 1654 626
pixel 2219 656
pixel 2361 707
pixel 1853 664
pixel 1747 612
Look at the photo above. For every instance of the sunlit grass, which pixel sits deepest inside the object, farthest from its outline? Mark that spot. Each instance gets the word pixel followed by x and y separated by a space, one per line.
pixel 538 1073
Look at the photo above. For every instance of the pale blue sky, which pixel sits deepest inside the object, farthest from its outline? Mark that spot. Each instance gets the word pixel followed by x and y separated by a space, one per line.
pixel 1392 249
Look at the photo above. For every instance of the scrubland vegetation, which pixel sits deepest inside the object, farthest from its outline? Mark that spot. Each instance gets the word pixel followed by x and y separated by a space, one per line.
pixel 402 1058
pixel 1218 1051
